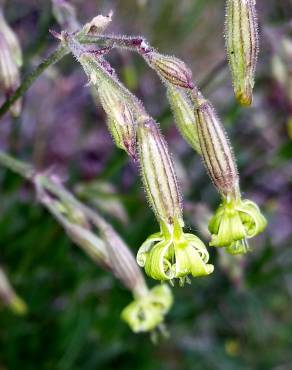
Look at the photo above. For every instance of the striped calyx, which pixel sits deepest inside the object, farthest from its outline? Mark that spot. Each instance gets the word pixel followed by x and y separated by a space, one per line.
pixel 145 313
pixel 183 111
pixel 158 172
pixel 241 33
pixel 216 150
pixel 170 69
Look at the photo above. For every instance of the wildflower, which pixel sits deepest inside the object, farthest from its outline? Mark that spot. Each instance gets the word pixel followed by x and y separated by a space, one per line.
pixel 147 312
pixel 236 220
pixel 170 69
pixel 242 46
pixel 170 253
pixel 183 112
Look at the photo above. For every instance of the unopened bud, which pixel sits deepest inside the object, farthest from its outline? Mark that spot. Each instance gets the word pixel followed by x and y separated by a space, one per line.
pixel 11 40
pixel 9 74
pixel 183 111
pixel 98 24
pixel 242 46
pixel 121 106
pixel 158 172
pixel 121 120
pixel 216 150
pixel 171 69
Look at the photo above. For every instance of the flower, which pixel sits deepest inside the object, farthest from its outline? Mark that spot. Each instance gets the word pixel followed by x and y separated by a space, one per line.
pixel 234 222
pixel 146 312
pixel 171 254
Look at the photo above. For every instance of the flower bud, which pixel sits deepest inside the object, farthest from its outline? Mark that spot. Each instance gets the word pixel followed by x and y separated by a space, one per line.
pixel 147 312
pixel 121 106
pixel 170 69
pixel 9 74
pixel 121 121
pixel 235 221
pixel 11 40
pixel 184 116
pixel 216 151
pixel 98 24
pixel 242 46
pixel 158 172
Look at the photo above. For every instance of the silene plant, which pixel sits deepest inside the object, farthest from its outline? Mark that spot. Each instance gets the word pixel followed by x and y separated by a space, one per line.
pixel 171 253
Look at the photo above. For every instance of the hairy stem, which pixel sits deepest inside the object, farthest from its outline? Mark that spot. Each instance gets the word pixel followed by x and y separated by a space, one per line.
pixel 29 79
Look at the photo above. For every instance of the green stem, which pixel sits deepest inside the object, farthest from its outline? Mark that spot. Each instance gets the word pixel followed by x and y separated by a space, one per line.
pixel 23 169
pixel 29 79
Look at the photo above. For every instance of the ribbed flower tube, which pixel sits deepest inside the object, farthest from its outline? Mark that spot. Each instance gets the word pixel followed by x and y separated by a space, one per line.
pixel 158 172
pixel 242 46
pixel 216 150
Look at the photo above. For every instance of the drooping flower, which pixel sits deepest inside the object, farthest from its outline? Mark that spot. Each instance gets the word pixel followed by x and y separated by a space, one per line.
pixel 170 253
pixel 147 312
pixel 236 220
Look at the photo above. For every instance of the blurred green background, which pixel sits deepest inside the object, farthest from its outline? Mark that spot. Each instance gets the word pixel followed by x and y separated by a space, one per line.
pixel 240 317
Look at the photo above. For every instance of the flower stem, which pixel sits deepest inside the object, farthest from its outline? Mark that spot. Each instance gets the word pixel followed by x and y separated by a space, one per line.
pixel 23 169
pixel 30 78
